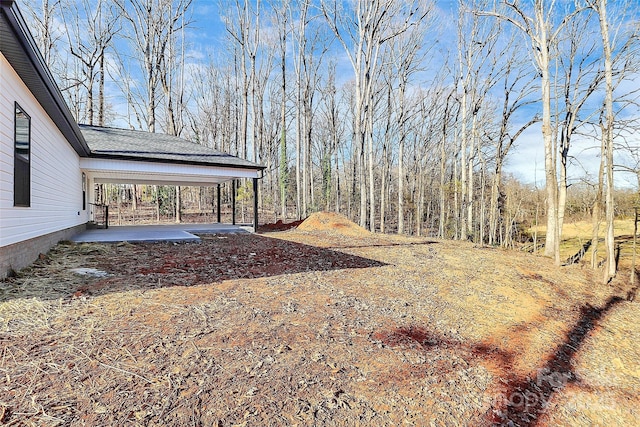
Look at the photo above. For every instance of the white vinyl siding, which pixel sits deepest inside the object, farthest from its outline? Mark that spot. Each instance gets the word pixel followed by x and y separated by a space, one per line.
pixel 56 180
pixel 6 139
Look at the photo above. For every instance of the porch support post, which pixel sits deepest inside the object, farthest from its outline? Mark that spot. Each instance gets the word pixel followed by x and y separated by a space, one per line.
pixel 255 205
pixel 233 201
pixel 218 204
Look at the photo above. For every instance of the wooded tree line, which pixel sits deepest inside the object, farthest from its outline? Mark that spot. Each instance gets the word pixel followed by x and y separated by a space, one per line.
pixel 399 114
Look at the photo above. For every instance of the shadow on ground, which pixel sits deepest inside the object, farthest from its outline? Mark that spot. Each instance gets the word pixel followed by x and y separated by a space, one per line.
pixel 144 266
pixel 524 399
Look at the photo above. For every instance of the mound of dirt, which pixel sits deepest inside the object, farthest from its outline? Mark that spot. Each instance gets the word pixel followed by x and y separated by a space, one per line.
pixel 329 221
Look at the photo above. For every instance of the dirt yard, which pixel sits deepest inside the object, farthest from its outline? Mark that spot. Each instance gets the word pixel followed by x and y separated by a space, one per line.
pixel 325 324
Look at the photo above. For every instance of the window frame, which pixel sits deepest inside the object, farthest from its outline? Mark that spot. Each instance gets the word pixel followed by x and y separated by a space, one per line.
pixel 21 168
pixel 84 191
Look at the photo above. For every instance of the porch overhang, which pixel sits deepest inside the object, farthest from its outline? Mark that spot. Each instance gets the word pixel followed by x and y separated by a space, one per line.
pixel 116 171
pixel 125 156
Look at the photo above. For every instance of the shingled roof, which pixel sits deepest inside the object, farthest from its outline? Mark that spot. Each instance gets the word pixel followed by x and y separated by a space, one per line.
pixel 19 48
pixel 145 146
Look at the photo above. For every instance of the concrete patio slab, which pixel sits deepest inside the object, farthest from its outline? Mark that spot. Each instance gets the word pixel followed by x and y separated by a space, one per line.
pixel 156 233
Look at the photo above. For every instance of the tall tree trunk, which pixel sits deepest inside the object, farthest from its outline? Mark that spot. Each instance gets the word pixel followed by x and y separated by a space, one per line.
pixel 607 142
pixel 305 164
pixel 308 199
pixel 482 208
pixel 101 92
pixel 443 169
pixel 470 195
pixel 383 182
pixel 456 199
pixel 494 212
pixel 283 167
pixel 401 185
pixel 338 189
pixel 401 147
pixel 372 181
pixel 362 181
pixel 462 215
pixel 421 200
pixel 299 154
pixel 552 240
pixel 151 100
pixel 90 109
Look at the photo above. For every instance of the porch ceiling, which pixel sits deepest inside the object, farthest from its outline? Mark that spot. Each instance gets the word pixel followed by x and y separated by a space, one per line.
pixel 149 179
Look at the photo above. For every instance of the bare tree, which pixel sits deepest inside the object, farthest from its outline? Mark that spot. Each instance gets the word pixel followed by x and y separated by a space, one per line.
pixel 282 16
pixel 479 68
pixel 612 54
pixel 303 110
pixel 331 127
pixel 239 21
pixel 310 45
pixel 541 28
pixel 579 78
pixel 152 23
pixel 301 39
pixel 45 32
pixel 607 138
pixel 517 89
pixel 405 60
pixel 450 115
pixel 91 28
pixel 362 32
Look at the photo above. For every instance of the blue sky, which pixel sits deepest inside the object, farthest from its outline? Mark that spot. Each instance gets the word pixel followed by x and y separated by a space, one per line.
pixel 206 36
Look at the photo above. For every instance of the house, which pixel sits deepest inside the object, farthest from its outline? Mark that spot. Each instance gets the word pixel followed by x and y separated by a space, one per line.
pixel 49 164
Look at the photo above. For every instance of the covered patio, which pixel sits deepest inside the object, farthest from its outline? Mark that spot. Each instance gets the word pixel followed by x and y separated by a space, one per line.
pixel 121 156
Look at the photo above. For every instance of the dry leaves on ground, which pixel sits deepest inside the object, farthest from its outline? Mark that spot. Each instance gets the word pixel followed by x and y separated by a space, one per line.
pixel 316 327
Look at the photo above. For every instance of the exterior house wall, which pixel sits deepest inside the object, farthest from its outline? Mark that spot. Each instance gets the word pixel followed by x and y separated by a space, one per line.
pixel 56 179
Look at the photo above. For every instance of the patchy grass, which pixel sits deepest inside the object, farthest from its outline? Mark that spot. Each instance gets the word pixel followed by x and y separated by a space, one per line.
pixel 583 229
pixel 314 328
pixel 578 233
